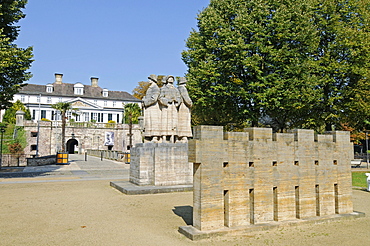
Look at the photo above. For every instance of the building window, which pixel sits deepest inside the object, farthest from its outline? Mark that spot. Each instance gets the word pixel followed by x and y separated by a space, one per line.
pixel 86 117
pixel 117 118
pixel 96 101
pixel 105 93
pixel 34 114
pixel 100 117
pixel 114 104
pixel 78 89
pixel 60 99
pixel 49 88
pixel 49 100
pixel 23 98
pixel 105 103
pixel 38 99
pixel 43 114
pixel 110 117
pixel 58 115
pixel 94 116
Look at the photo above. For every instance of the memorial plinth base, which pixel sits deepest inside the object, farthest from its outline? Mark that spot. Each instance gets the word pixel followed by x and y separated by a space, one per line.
pixel 158 168
pixel 129 188
pixel 195 234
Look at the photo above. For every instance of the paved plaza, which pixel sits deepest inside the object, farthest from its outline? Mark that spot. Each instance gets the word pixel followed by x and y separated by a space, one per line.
pixel 75 205
pixel 93 168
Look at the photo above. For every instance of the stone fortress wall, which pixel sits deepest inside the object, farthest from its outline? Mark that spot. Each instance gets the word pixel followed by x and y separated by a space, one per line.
pixel 255 177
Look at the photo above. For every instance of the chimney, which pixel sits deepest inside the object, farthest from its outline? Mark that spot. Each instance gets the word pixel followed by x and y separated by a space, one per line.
pixel 58 78
pixel 94 82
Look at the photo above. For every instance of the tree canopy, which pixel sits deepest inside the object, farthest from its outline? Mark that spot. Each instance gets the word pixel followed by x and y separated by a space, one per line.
pixel 10 113
pixel 14 61
pixel 132 113
pixel 282 64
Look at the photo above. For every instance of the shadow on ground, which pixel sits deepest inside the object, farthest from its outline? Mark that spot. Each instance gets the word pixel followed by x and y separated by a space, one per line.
pixel 185 212
pixel 18 172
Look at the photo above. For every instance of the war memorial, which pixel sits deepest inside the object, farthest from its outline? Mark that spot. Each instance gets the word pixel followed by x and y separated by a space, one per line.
pixel 242 181
pixel 160 164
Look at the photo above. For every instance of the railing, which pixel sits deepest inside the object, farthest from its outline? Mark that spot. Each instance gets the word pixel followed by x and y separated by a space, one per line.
pixel 110 154
pixel 10 160
pixel 81 124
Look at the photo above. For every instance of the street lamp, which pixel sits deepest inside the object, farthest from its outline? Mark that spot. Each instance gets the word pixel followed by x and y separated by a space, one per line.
pixel 2 130
pixel 367 149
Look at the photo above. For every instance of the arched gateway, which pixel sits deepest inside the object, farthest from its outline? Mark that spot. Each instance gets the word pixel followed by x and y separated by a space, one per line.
pixel 71 146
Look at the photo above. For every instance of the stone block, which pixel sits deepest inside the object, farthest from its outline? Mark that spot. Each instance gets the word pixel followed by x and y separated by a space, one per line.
pixel 160 164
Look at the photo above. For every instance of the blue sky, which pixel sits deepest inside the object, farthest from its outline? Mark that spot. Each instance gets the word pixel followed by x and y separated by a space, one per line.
pixel 121 42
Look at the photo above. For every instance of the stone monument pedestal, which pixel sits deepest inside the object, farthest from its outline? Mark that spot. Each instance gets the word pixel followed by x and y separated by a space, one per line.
pixel 158 168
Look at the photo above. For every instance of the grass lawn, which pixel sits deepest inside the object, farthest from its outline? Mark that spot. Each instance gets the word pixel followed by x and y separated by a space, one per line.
pixel 359 179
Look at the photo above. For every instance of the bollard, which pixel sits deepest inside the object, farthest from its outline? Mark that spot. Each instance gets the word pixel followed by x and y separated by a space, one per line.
pixel 101 155
pixel 368 181
pixel 85 156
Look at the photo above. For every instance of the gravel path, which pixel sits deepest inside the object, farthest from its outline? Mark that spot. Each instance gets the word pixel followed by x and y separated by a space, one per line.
pixel 93 213
pixel 75 205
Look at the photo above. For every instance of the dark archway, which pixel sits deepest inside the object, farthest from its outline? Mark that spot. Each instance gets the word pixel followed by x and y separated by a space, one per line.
pixel 71 143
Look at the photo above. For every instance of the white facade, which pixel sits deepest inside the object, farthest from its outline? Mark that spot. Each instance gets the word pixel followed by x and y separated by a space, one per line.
pixel 91 103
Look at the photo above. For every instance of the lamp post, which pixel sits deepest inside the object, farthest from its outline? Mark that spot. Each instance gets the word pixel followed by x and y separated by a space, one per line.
pixel 367 149
pixel 2 130
pixel 37 139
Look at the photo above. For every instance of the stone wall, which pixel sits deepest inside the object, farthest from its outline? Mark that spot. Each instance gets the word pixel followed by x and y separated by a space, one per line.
pixel 254 177
pixel 87 136
pixel 41 161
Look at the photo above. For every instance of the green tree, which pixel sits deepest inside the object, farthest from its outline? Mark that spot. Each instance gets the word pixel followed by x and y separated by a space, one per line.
pixel 132 113
pixel 14 61
pixel 63 108
pixel 246 57
pixel 10 113
pixel 341 63
pixel 274 62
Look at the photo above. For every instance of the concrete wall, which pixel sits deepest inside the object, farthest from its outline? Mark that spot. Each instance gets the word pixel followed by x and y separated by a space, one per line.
pixel 252 177
pixel 160 164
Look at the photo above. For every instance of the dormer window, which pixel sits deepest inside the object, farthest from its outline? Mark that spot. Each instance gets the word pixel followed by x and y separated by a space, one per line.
pixel 105 92
pixel 49 88
pixel 78 89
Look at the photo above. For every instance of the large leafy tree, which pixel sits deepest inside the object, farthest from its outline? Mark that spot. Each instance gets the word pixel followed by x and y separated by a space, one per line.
pixel 63 108
pixel 10 113
pixel 14 61
pixel 285 63
pixel 342 63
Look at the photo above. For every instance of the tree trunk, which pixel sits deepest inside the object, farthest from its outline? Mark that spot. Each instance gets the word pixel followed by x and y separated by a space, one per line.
pixel 130 131
pixel 63 131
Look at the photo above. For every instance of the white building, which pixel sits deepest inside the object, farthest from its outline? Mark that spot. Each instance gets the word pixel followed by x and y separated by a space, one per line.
pixel 92 102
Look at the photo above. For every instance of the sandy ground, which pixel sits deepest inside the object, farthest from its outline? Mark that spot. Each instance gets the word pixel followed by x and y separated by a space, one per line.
pixel 93 213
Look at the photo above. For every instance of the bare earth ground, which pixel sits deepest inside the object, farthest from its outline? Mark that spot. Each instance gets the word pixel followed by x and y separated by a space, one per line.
pixel 93 213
